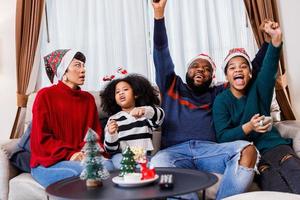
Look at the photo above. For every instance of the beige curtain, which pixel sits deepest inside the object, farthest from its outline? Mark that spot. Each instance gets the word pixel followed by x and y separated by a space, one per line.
pixel 28 22
pixel 258 10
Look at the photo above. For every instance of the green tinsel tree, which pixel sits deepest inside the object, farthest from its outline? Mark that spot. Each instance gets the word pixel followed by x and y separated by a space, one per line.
pixel 128 163
pixel 94 172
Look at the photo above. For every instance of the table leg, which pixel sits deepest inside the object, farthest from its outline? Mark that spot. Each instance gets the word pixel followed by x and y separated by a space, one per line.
pixel 203 194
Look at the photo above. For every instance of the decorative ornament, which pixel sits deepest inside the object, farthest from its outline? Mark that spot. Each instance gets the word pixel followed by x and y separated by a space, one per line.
pixel 128 163
pixel 94 171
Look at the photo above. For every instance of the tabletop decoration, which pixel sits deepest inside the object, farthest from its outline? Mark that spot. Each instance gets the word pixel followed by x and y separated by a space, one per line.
pixel 94 171
pixel 128 164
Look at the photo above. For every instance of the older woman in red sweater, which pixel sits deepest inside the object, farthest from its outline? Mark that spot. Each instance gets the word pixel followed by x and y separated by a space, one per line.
pixel 62 114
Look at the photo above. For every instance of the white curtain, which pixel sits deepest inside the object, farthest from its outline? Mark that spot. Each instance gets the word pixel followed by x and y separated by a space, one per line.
pixel 119 33
pixel 110 33
pixel 206 26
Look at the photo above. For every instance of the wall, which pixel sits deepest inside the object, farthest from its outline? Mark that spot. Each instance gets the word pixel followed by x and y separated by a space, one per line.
pixel 7 67
pixel 289 14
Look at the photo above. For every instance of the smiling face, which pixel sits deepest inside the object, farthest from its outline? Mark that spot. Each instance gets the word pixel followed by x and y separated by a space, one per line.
pixel 75 74
pixel 124 96
pixel 238 74
pixel 200 71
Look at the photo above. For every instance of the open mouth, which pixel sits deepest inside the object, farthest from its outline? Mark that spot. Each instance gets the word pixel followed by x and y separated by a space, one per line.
pixel 239 79
pixel 198 76
pixel 82 78
pixel 122 99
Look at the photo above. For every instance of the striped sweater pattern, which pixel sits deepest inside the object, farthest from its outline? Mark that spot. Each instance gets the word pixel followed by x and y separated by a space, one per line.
pixel 133 132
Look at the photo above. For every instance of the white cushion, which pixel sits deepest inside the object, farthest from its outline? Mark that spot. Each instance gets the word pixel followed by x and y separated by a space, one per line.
pixel 264 195
pixel 6 170
pixel 24 187
pixel 290 129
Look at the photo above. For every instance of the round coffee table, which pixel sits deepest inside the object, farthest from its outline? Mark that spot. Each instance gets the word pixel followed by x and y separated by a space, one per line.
pixel 185 181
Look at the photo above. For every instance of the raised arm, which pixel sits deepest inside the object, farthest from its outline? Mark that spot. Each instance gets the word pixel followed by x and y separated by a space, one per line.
pixel 163 63
pixel 267 77
pixel 259 57
pixel 264 84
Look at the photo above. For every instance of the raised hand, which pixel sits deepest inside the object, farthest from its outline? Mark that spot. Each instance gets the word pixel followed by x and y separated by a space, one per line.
pixel 137 112
pixel 159 8
pixel 273 30
pixel 112 126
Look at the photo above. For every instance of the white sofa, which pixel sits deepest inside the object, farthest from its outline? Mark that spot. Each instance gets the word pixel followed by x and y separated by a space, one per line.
pixel 21 186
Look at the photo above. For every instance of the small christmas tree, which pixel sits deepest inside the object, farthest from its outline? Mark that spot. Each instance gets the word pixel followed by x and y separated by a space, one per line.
pixel 127 163
pixel 94 171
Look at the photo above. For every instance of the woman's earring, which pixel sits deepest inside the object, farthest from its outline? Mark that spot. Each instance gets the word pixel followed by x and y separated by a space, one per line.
pixel 250 75
pixel 65 78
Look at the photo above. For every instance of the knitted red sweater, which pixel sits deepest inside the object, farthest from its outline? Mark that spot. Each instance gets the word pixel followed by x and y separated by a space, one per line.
pixel 61 118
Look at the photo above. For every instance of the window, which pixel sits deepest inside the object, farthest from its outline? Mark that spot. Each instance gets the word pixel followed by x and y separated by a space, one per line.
pixel 118 33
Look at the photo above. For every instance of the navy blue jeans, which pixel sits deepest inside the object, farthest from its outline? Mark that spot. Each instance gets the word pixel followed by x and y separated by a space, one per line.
pixel 283 176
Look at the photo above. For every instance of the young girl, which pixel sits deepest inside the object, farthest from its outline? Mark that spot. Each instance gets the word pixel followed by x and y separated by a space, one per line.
pixel 132 104
pixel 239 114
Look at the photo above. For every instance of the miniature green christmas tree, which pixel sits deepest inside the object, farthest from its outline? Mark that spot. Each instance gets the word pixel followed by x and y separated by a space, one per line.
pixel 94 171
pixel 127 163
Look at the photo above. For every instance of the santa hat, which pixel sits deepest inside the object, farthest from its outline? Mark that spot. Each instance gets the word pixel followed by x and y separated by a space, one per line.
pixel 57 62
pixel 234 53
pixel 212 63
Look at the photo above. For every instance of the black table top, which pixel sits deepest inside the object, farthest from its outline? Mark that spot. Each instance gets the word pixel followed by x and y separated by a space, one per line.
pixel 185 181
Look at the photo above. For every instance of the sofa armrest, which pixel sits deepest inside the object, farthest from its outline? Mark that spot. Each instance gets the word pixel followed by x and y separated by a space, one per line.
pixel 7 171
pixel 290 129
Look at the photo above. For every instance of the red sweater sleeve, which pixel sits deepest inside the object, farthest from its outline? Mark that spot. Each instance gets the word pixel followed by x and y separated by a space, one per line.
pixel 45 147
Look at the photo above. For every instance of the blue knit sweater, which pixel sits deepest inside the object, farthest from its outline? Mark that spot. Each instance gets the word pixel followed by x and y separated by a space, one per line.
pixel 188 116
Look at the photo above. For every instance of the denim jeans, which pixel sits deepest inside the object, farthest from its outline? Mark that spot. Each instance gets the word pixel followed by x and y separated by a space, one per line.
pixel 280 176
pixel 211 157
pixel 61 170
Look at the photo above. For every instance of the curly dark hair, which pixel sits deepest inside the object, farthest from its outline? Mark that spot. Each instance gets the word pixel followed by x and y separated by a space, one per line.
pixel 146 94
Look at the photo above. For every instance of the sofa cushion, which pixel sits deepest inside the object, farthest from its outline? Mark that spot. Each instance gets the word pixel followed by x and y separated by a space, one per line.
pixel 264 195
pixel 20 158
pixel 6 170
pixel 24 142
pixel 290 129
pixel 25 187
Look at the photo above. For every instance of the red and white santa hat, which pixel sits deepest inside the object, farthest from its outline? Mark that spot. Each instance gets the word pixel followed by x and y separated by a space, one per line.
pixel 234 53
pixel 57 62
pixel 212 63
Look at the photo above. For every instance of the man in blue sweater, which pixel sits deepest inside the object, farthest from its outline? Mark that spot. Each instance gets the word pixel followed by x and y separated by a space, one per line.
pixel 188 135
